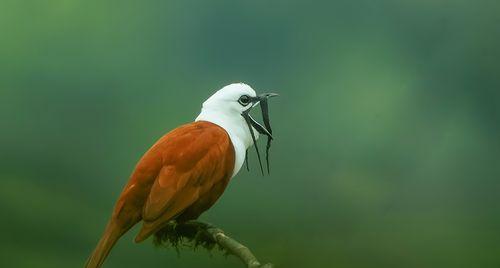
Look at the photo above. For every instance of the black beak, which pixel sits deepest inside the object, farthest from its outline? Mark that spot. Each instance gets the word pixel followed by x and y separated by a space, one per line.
pixel 264 130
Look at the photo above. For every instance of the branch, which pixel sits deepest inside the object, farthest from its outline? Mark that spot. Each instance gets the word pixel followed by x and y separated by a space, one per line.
pixel 208 236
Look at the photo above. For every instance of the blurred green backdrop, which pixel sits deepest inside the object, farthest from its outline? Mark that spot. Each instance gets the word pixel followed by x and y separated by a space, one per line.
pixel 387 129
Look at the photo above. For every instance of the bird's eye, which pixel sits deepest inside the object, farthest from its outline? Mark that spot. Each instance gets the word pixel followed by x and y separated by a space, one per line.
pixel 244 100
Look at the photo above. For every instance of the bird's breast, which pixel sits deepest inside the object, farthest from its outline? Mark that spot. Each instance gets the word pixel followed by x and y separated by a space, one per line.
pixel 236 128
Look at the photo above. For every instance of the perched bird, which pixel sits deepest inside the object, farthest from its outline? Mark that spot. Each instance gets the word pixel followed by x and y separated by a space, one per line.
pixel 186 171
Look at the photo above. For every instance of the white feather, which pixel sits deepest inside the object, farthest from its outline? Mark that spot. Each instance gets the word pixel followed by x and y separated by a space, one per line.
pixel 224 110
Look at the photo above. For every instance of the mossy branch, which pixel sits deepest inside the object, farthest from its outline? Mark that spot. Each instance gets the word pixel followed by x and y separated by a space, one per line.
pixel 193 234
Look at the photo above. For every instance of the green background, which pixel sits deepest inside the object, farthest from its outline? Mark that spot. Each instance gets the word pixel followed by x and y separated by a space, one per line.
pixel 387 129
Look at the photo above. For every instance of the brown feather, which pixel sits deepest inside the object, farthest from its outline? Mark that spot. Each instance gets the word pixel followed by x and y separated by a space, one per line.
pixel 180 176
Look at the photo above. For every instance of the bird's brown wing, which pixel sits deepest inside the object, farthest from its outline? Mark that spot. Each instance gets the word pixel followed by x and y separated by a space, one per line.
pixel 193 161
pixel 172 175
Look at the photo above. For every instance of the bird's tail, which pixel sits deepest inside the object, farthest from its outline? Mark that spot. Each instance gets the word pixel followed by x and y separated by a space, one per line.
pixel 108 240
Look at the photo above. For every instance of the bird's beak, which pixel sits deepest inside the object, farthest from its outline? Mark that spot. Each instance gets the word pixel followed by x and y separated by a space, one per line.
pixel 264 130
pixel 262 100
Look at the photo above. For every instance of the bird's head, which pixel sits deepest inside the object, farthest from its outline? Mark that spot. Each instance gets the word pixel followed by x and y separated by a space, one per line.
pixel 236 101
pixel 233 98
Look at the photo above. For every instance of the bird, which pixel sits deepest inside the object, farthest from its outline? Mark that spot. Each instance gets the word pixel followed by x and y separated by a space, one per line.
pixel 185 172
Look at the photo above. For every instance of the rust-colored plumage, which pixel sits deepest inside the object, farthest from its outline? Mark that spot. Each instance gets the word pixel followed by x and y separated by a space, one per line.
pixel 186 171
pixel 179 177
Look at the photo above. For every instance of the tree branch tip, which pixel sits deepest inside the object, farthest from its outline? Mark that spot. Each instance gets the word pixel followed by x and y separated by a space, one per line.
pixel 193 234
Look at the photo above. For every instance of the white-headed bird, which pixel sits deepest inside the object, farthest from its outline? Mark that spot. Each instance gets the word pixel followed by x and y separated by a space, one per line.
pixel 186 171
